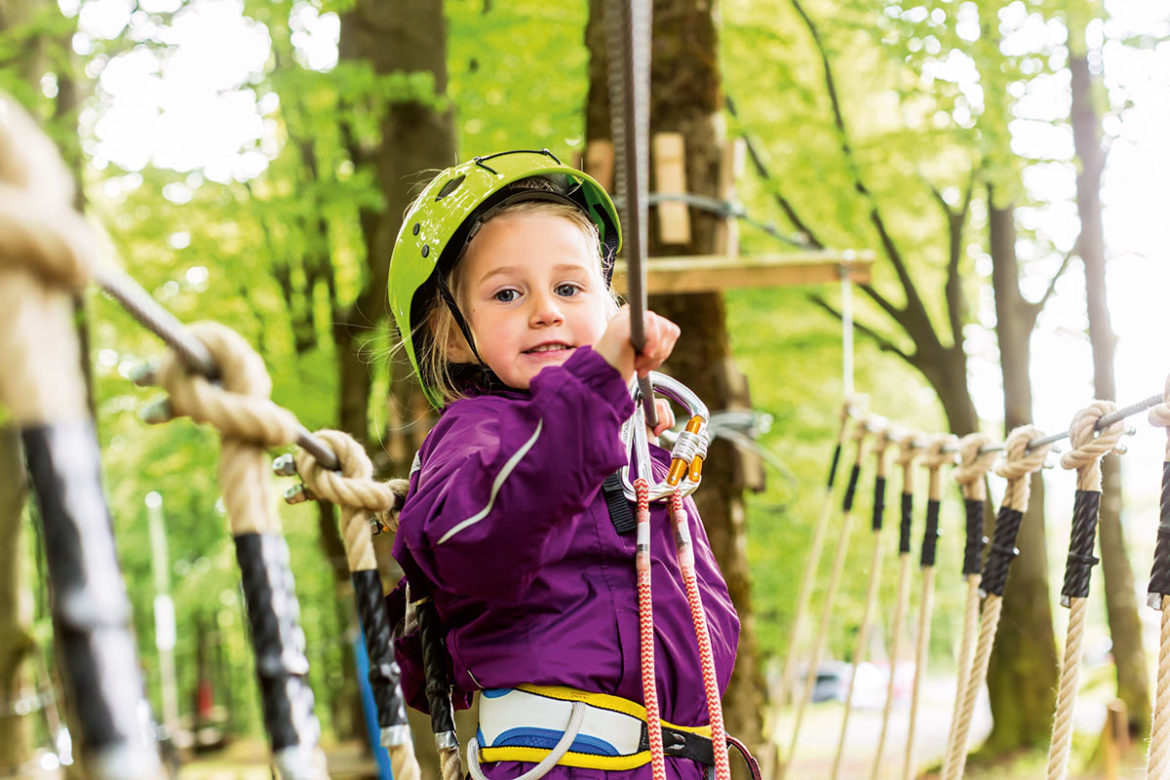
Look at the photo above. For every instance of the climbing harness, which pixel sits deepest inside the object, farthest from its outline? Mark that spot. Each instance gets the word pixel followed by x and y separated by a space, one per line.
pixel 860 433
pixel 1089 446
pixel 604 732
pixel 908 451
pixel 46 257
pixel 1024 453
pixel 938 452
pixel 881 443
pixel 974 463
pixel 1158 597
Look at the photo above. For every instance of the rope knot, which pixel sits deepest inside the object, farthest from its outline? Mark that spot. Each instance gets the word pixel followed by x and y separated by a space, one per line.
pixel 939 451
pixel 1018 463
pixel 238 405
pixel 908 449
pixel 1160 415
pixel 1090 445
pixel 39 228
pixel 353 486
pixel 973 465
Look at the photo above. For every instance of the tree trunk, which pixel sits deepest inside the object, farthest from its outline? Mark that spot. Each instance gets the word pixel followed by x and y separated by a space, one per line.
pixel 1022 676
pixel 685 98
pixel 1133 685
pixel 16 734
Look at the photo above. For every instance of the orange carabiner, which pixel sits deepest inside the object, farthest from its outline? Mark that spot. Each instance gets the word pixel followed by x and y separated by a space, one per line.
pixel 678 466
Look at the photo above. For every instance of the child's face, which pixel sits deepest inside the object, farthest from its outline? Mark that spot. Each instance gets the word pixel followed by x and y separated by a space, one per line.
pixel 532 292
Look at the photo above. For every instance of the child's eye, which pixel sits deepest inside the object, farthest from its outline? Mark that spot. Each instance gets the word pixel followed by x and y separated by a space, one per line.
pixel 506 296
pixel 567 289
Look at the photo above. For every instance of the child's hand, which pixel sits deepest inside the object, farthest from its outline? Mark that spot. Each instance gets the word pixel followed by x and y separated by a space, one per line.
pixel 665 418
pixel 614 345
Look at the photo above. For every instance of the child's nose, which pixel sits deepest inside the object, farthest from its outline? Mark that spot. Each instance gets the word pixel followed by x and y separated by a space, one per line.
pixel 546 311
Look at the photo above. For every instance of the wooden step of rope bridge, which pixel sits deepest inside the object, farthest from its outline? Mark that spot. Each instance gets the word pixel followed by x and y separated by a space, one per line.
pixel 706 273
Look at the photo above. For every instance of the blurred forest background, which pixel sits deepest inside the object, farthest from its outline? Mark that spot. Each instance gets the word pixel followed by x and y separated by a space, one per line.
pixel 248 161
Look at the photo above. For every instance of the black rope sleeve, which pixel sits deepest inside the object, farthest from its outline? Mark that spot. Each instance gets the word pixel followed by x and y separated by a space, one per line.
pixel 930 534
pixel 277 640
pixel 1160 573
pixel 973 550
pixel 907 517
pixel 90 608
pixel 851 488
pixel 835 464
pixel 1003 550
pixel 879 501
pixel 437 669
pixel 385 676
pixel 1079 565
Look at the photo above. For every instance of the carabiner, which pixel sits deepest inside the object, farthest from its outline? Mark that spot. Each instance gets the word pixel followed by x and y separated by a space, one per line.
pixel 689 450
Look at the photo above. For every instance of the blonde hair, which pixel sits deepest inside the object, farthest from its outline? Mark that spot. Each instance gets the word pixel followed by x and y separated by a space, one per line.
pixel 435 368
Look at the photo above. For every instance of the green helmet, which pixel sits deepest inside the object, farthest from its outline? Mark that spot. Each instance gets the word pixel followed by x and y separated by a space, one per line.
pixel 444 217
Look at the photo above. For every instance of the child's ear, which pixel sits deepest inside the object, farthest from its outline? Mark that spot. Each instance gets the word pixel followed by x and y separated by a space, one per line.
pixel 457 349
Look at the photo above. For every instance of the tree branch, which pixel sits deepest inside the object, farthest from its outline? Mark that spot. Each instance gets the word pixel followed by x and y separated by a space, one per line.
pixel 883 343
pixel 1039 305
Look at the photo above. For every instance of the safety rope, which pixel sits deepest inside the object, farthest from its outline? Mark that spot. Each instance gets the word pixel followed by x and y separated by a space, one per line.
pixel 971 474
pixel 686 561
pixel 46 256
pixel 358 495
pixel 1158 757
pixel 908 451
pixel 860 434
pixel 249 423
pixel 881 444
pixel 1089 446
pixel 1017 466
pixel 646 631
pixel 938 452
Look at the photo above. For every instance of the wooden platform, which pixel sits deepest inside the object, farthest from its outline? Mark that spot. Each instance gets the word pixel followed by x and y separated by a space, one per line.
pixel 708 273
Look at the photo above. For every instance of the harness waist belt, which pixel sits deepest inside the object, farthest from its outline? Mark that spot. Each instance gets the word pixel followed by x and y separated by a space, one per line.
pixel 525 723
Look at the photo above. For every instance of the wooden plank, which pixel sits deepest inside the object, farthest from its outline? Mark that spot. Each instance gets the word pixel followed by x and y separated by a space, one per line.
pixel 670 178
pixel 707 273
pixel 599 162
pixel 731 164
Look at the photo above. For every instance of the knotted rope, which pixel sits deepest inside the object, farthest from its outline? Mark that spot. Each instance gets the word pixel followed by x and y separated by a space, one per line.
pixel 46 253
pixel 1158 757
pixel 860 434
pixel 249 422
pixel 1089 447
pixel 812 562
pixel 1017 466
pixel 908 452
pixel 970 474
pixel 938 452
pixel 358 495
pixel 881 444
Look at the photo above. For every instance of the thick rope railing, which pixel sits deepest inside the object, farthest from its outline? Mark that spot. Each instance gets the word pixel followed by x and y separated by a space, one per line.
pixel 46 257
pixel 359 496
pixel 1158 756
pixel 971 474
pixel 1089 446
pixel 908 452
pixel 939 452
pixel 861 432
pixel 812 562
pixel 1022 457
pixel 881 444
pixel 249 423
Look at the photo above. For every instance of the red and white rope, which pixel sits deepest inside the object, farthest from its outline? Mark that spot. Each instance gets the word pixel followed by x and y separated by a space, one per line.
pixel 646 632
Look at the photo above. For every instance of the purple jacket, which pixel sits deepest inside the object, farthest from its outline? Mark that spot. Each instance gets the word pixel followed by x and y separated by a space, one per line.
pixel 506 523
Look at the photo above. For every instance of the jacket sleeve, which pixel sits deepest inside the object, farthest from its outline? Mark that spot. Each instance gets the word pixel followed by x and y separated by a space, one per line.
pixel 501 472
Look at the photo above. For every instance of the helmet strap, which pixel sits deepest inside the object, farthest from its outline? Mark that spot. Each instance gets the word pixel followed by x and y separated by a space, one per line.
pixel 487 378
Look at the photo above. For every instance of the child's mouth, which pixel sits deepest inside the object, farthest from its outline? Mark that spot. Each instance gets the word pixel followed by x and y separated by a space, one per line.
pixel 552 347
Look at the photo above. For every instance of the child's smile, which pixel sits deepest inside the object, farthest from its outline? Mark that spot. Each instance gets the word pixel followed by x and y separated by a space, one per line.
pixel 530 287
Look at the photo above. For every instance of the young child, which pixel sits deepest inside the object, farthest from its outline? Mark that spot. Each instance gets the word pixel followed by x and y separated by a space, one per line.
pixel 499 284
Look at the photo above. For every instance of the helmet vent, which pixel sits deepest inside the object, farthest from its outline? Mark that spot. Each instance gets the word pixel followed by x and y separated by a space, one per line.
pixel 450 187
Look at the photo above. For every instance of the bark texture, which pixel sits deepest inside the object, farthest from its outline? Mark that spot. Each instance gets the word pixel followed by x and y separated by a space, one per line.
pixel 1129 656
